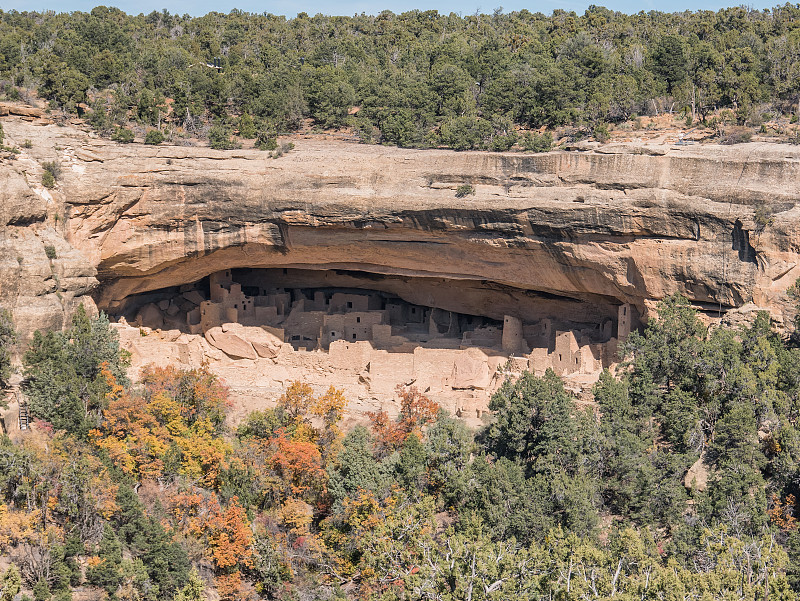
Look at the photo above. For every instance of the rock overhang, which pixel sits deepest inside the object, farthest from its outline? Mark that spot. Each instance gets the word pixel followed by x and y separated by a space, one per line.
pixel 621 224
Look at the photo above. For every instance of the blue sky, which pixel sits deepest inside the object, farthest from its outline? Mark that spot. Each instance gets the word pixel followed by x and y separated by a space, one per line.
pixel 350 7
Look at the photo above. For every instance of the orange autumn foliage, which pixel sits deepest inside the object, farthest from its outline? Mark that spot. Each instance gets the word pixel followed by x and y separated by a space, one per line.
pixel 17 526
pixel 388 434
pixel 227 533
pixel 230 587
pixel 189 510
pixel 297 463
pixel 130 434
pixel 229 537
pixel 197 393
pixel 416 411
pixel 180 409
pixel 782 513
pixel 297 400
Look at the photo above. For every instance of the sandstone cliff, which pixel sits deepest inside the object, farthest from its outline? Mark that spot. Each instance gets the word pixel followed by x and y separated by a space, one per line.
pixel 620 223
pixel 570 236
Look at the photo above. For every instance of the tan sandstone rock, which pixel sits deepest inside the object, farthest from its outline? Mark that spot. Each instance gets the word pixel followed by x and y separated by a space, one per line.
pixel 230 344
pixel 557 232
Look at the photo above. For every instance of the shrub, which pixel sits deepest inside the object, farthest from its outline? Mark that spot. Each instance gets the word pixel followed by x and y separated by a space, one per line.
pixel 534 142
pixel 266 141
pixel 465 133
pixel 601 133
pixel 219 137
pixel 154 137
pixel 247 127
pixel 735 135
pixel 2 134
pixel 54 167
pixel 282 150
pixel 365 131
pixel 762 218
pixel 50 251
pixel 27 144
pixel 8 338
pixel 503 142
pixel 464 190
pixel 41 592
pixel 48 181
pixel 123 135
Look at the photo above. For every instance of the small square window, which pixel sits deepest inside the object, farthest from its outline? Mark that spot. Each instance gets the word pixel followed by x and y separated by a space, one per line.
pixel 349 305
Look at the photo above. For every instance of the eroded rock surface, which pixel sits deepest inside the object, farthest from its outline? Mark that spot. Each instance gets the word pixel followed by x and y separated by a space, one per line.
pixel 572 234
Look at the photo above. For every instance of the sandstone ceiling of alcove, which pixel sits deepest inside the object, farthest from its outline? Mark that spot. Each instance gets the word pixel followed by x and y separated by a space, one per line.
pixel 623 224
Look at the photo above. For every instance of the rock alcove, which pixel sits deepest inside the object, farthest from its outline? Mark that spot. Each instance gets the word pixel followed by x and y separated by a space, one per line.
pixel 249 313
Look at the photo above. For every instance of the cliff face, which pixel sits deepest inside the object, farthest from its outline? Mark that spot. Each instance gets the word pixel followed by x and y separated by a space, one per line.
pixel 593 229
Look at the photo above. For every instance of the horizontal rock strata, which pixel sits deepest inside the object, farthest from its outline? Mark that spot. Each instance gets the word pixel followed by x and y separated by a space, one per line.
pixel 575 233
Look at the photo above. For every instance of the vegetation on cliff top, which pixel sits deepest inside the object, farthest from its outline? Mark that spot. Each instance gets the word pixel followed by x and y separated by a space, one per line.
pixel 415 79
pixel 140 492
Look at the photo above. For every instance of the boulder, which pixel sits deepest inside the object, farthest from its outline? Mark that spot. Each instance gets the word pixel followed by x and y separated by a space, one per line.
pixel 87 156
pixel 22 111
pixel 194 297
pixel 267 352
pixel 265 344
pixel 230 344
pixel 150 316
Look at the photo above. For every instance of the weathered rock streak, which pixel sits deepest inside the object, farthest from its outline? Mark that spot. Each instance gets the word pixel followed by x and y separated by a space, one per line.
pixel 622 223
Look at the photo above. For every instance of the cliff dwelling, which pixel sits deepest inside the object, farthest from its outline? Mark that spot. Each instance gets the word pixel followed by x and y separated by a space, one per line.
pixel 548 264
pixel 369 333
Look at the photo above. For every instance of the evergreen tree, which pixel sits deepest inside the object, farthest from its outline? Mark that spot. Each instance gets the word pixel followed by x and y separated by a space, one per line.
pixel 8 338
pixel 107 572
pixel 64 372
pixel 10 584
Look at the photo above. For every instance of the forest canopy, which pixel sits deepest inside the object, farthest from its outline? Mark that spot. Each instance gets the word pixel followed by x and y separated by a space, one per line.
pixel 413 79
pixel 679 481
